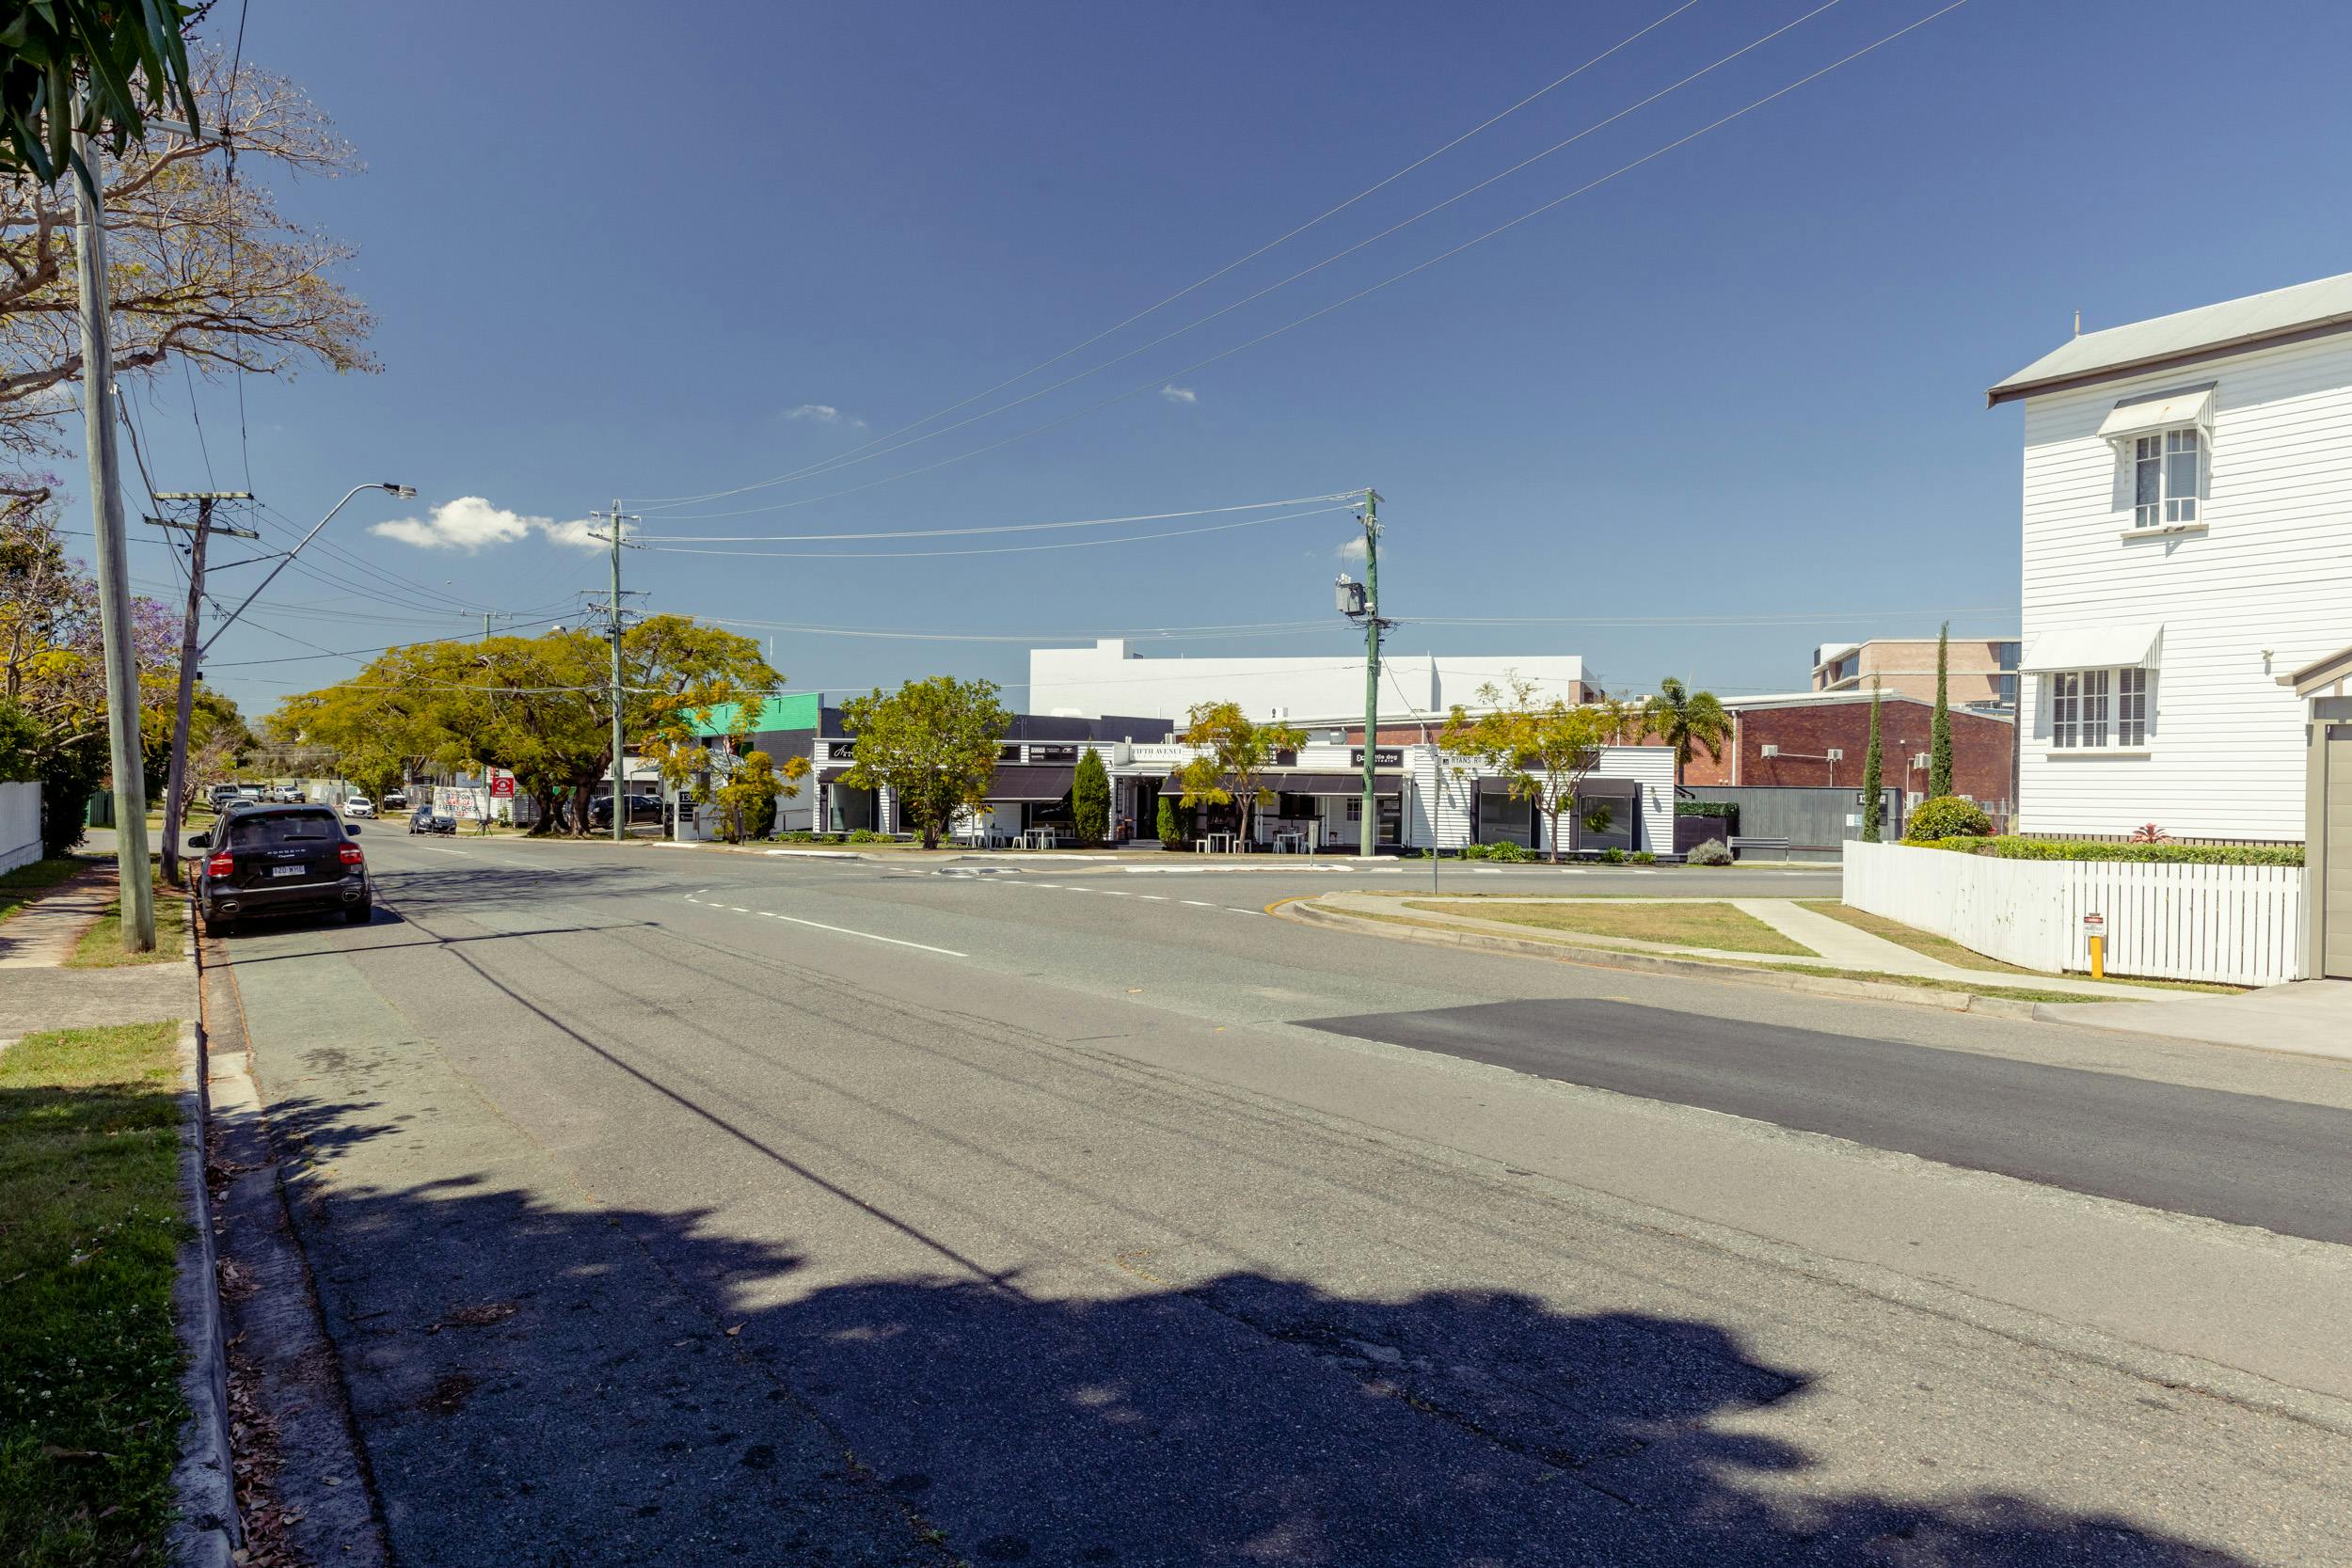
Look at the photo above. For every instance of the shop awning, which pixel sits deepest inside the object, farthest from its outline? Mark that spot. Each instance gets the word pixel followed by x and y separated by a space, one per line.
pixel 1307 784
pixel 2095 647
pixel 2163 411
pixel 1591 789
pixel 1016 783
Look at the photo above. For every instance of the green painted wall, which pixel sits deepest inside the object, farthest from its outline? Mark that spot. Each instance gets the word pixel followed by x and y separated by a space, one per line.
pixel 796 712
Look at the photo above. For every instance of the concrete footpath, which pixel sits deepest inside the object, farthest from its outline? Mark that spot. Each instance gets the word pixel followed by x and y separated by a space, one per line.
pixel 2310 1018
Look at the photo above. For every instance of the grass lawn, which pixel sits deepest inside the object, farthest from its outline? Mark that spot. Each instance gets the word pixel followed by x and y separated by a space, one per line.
pixel 20 887
pixel 1951 952
pixel 89 1223
pixel 101 946
pixel 1693 923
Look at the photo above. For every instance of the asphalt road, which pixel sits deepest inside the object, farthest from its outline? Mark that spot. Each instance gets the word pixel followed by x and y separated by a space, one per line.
pixel 678 1206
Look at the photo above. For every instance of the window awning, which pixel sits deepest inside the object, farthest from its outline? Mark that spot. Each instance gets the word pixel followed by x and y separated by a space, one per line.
pixel 1306 783
pixel 2158 411
pixel 2095 648
pixel 1017 784
pixel 1591 789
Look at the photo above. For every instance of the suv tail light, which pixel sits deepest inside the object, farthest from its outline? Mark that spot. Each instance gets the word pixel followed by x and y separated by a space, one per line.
pixel 351 855
pixel 222 865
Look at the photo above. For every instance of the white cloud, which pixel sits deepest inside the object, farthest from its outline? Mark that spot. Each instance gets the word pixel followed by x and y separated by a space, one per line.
pixel 824 413
pixel 470 523
pixel 465 524
pixel 582 533
pixel 1352 550
pixel 1174 394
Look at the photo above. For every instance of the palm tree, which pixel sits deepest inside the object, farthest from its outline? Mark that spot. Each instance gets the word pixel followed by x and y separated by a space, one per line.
pixel 1689 721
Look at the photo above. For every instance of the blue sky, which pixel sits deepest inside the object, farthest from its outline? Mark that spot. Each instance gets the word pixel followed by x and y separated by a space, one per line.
pixel 629 252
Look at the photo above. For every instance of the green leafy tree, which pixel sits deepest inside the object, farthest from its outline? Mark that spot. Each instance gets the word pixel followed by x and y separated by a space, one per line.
pixel 1090 797
pixel 747 798
pixel 1940 743
pixel 1873 771
pixel 537 706
pixel 932 744
pixel 1545 747
pixel 1232 753
pixel 1169 829
pixel 206 274
pixel 1689 721
pixel 98 69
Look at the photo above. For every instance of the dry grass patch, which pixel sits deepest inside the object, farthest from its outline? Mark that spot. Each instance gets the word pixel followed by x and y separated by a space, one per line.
pixel 1683 923
pixel 1944 949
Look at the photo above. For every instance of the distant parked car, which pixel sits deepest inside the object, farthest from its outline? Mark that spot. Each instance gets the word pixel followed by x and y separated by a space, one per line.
pixel 395 799
pixel 358 806
pixel 278 860
pixel 641 808
pixel 287 795
pixel 427 821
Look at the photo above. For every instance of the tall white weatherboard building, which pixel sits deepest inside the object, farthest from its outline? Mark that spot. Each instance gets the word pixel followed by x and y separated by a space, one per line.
pixel 2187 553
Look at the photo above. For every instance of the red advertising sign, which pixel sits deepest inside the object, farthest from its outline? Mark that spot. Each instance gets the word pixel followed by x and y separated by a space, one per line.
pixel 502 786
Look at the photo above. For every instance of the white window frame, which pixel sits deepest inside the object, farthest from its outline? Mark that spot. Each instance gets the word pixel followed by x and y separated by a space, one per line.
pixel 2173 462
pixel 2105 709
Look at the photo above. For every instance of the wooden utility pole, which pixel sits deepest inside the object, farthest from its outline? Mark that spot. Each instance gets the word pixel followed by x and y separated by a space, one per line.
pixel 176 777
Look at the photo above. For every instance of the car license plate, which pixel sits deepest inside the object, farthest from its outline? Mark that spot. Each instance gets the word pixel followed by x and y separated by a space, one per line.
pixel 287 870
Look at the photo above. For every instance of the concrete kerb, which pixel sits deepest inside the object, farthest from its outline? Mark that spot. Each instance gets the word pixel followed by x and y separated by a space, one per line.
pixel 1305 912
pixel 205 1532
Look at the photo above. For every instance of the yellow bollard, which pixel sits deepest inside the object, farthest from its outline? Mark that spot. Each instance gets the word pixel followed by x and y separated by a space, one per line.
pixel 2098 958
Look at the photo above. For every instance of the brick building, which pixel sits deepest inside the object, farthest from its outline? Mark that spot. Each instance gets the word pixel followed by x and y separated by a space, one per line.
pixel 1981 671
pixel 1788 739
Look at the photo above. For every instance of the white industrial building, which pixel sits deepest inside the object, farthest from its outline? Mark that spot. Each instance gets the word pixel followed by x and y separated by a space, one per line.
pixel 1112 677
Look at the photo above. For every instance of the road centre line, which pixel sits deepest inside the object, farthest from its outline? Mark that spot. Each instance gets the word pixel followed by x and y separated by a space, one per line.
pixel 839 930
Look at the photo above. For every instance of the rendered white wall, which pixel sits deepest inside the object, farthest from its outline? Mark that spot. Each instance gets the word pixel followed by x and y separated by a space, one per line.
pixel 2235 924
pixel 1108 678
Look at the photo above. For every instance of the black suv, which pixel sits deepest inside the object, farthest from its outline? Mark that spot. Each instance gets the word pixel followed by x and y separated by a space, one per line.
pixel 280 859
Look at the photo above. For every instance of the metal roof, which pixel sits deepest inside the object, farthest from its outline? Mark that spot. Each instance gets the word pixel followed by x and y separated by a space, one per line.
pixel 2187 337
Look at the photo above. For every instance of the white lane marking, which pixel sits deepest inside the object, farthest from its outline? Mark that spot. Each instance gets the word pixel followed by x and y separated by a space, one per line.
pixel 839 930
pixel 1152 898
pixel 1198 903
pixel 437 849
pixel 1109 892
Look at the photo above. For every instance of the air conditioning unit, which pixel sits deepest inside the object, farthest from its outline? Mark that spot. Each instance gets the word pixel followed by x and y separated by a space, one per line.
pixel 1771 750
pixel 1836 753
pixel 1922 759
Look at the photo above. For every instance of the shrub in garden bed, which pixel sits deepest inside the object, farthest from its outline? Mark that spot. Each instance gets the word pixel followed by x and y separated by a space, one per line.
pixel 2013 847
pixel 1708 851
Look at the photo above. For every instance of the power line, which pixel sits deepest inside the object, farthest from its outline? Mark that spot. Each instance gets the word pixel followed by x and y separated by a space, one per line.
pixel 1159 380
pixel 1001 549
pixel 847 460
pixel 1202 282
pixel 997 528
pixel 355 653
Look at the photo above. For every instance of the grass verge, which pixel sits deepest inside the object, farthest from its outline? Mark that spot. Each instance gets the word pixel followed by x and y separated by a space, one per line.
pixel 1697 923
pixel 89 1225
pixel 1944 949
pixel 25 884
pixel 101 946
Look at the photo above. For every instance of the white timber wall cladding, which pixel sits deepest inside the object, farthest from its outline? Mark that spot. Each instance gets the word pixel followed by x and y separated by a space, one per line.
pixel 2260 589
pixel 2233 925
pixel 19 825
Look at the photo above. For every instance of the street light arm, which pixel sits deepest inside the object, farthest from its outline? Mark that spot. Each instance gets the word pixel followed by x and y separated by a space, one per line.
pixel 402 490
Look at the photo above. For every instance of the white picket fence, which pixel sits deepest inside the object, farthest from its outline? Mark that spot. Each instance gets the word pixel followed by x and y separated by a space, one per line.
pixel 2237 925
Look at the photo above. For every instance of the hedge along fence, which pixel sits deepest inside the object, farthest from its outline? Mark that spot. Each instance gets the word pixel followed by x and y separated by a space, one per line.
pixel 2012 847
pixel 2179 919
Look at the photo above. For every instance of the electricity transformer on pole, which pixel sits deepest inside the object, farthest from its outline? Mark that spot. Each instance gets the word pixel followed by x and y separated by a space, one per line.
pixel 1360 601
pixel 176 775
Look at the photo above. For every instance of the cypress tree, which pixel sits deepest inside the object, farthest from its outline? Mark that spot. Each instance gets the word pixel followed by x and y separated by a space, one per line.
pixel 1873 769
pixel 1090 798
pixel 1940 748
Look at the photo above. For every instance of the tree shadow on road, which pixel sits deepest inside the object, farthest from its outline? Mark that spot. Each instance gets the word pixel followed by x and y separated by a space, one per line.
pixel 594 1384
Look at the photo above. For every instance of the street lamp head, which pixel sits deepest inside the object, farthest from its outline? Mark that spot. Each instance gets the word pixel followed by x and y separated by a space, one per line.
pixel 405 492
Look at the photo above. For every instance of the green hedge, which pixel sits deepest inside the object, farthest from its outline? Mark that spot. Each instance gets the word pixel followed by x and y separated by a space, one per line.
pixel 1727 810
pixel 2012 847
